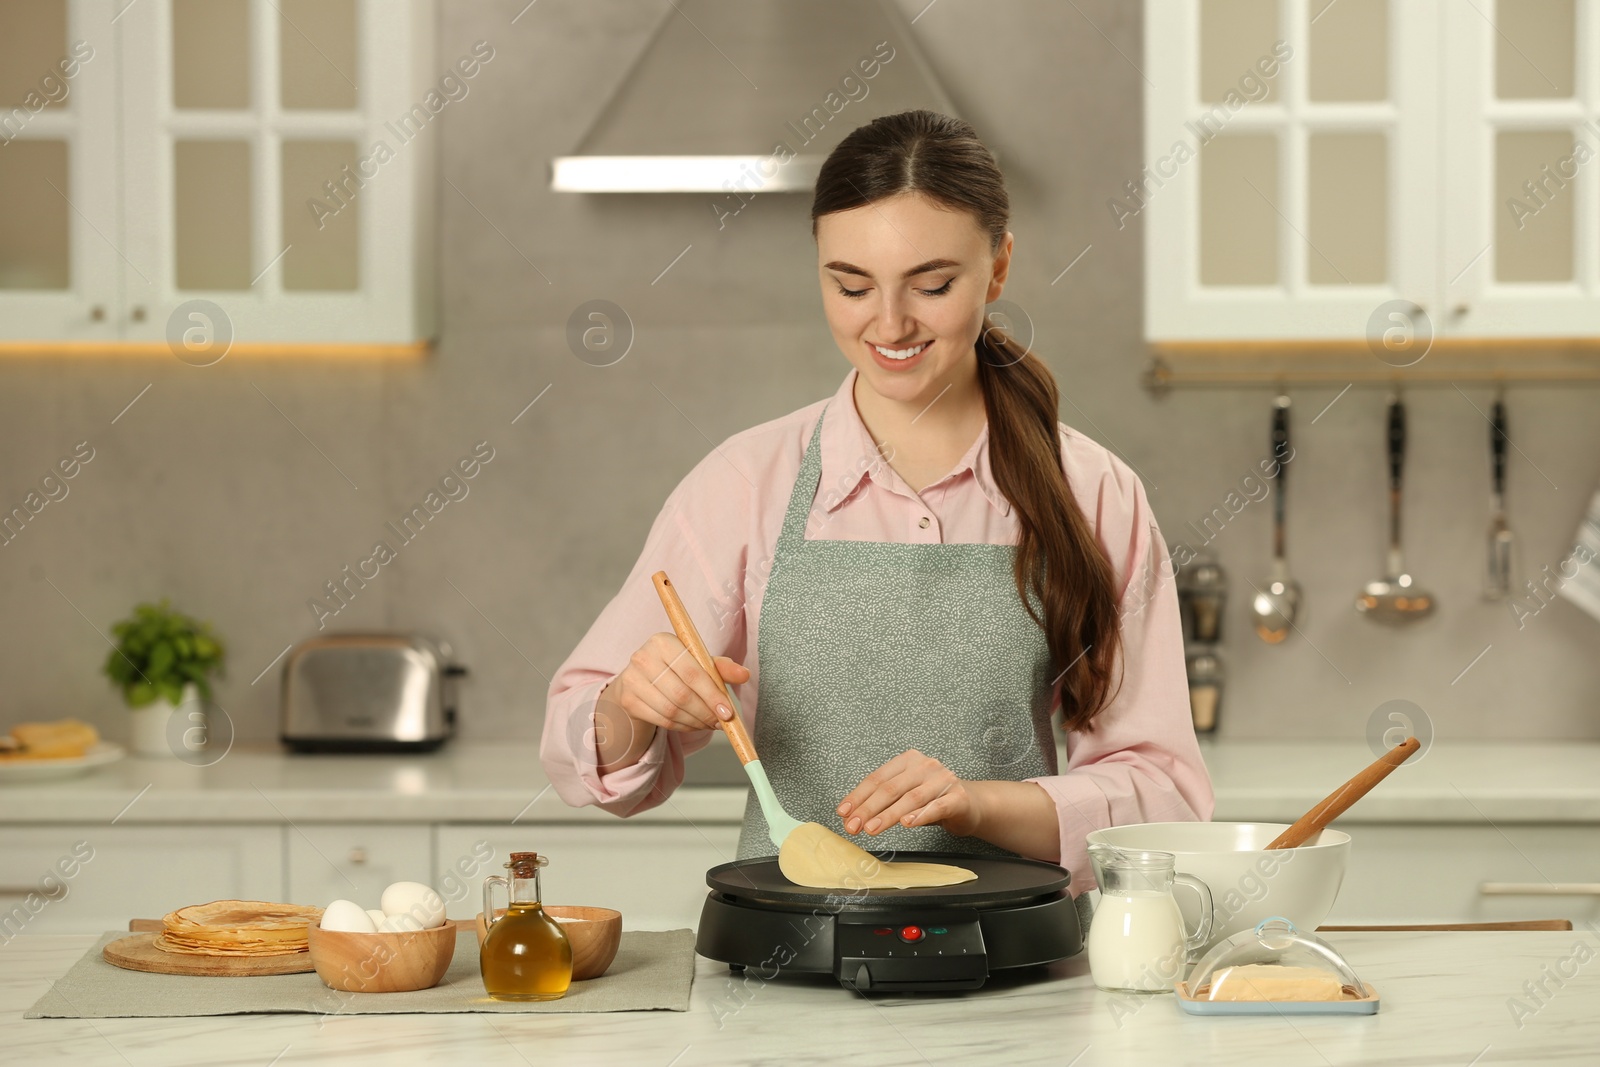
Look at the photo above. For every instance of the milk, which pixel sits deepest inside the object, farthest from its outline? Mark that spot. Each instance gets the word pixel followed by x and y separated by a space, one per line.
pixel 1136 942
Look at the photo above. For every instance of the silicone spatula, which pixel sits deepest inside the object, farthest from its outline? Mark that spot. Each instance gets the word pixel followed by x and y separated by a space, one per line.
pixel 779 822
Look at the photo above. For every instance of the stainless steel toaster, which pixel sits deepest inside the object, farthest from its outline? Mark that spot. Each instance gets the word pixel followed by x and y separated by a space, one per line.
pixel 368 692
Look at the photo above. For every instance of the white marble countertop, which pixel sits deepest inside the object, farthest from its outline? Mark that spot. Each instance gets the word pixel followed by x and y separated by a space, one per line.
pixel 1277 781
pixel 261 783
pixel 1460 781
pixel 1447 998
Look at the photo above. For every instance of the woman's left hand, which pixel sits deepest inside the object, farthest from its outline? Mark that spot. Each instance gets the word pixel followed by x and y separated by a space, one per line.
pixel 913 790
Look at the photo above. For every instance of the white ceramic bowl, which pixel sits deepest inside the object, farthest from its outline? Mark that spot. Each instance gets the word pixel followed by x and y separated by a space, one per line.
pixel 1247 882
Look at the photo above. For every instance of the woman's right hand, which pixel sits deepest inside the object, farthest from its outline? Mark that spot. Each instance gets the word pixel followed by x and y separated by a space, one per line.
pixel 663 686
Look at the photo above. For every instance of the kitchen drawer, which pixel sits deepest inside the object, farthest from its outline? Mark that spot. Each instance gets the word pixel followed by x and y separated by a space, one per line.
pixel 1412 872
pixel 90 878
pixel 356 861
pixel 655 874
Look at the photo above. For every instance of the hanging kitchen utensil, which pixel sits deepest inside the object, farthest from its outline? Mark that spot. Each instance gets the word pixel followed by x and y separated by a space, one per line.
pixel 1395 598
pixel 1278 598
pixel 1501 542
pixel 1334 804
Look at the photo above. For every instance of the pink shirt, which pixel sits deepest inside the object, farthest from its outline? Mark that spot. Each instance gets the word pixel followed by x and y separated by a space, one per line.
pixel 715 536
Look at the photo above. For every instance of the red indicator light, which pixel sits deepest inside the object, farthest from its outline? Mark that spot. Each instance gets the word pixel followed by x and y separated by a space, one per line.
pixel 911 933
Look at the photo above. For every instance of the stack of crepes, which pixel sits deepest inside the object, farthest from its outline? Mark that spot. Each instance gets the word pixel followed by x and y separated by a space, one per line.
pixel 237 928
pixel 62 739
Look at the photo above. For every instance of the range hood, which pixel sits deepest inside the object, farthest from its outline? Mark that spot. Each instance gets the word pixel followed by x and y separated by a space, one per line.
pixel 748 96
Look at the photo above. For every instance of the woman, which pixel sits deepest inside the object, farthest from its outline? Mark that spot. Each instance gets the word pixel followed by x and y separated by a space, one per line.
pixel 920 570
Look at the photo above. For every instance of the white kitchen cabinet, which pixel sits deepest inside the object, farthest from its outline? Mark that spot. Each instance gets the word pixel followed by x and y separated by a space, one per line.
pixel 654 874
pixel 1522 179
pixel 1319 171
pixel 257 172
pixel 355 861
pixel 1416 872
pixel 124 872
pixel 58 173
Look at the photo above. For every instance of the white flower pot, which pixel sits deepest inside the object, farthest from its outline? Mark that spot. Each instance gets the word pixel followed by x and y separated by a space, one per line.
pixel 154 733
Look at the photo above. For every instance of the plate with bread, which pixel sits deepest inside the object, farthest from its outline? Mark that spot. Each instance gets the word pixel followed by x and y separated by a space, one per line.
pixel 35 751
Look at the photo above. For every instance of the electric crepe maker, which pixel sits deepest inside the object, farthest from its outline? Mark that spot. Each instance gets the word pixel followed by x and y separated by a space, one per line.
pixel 1017 914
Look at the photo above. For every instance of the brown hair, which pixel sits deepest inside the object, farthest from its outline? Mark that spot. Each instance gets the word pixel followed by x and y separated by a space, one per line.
pixel 1060 566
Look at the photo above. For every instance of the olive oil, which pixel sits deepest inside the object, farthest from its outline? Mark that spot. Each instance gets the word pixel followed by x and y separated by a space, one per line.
pixel 526 954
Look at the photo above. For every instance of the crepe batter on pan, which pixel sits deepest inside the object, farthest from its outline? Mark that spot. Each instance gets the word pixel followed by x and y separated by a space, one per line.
pixel 812 855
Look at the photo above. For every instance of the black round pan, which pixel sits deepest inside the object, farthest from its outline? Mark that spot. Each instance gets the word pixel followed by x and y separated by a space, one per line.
pixel 1001 880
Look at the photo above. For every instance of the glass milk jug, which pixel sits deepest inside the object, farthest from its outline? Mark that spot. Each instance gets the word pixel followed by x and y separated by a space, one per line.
pixel 525 954
pixel 1137 942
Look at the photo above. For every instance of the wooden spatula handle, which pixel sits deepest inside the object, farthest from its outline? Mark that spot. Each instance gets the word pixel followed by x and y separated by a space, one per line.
pixel 1336 802
pixel 683 626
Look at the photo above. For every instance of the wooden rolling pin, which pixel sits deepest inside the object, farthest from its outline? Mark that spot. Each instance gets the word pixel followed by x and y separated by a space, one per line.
pixel 1336 802
pixel 683 626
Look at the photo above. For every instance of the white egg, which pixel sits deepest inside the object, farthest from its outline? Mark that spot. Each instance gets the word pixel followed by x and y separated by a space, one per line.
pixel 376 916
pixel 349 917
pixel 415 900
pixel 399 924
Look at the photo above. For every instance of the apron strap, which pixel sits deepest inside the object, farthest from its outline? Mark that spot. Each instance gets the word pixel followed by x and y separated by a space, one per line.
pixel 805 489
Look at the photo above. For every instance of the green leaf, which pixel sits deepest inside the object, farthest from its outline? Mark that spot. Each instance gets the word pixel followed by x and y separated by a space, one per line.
pixel 119 669
pixel 159 650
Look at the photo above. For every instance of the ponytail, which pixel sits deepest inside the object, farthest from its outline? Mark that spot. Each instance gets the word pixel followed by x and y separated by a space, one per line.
pixel 1059 561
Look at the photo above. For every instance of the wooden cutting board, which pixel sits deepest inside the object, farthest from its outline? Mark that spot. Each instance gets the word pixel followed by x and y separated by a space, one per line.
pixel 138 952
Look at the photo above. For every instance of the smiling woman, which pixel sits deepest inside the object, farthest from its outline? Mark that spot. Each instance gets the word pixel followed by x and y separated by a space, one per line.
pixel 929 565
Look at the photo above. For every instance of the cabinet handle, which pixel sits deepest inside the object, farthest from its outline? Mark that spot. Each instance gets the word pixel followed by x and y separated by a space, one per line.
pixel 1539 889
pixel 97 313
pixel 138 313
pixel 18 890
pixel 358 856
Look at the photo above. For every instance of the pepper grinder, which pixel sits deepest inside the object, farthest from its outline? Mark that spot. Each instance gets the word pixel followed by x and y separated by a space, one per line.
pixel 1202 596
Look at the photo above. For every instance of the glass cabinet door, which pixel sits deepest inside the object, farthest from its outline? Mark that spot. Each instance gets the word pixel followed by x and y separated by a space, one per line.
pixel 1524 152
pixel 59 275
pixel 260 146
pixel 1284 141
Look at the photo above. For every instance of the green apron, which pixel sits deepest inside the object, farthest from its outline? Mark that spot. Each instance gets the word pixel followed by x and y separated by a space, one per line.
pixel 870 648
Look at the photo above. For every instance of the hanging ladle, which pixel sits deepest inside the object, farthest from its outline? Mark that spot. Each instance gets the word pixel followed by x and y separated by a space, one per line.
pixel 1395 598
pixel 1278 598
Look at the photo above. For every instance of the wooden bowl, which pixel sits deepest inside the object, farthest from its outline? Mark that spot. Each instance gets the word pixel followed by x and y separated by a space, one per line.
pixel 382 963
pixel 594 934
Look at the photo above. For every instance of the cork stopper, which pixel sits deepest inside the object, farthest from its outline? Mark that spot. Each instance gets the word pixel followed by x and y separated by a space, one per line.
pixel 524 864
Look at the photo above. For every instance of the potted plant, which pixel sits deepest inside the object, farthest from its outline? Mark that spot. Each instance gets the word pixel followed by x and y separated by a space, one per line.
pixel 162 663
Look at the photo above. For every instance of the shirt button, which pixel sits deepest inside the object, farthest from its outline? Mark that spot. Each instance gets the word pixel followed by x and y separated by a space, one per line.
pixel 924 522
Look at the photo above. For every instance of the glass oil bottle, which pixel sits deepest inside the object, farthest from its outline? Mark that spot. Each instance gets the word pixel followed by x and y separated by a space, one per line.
pixel 525 954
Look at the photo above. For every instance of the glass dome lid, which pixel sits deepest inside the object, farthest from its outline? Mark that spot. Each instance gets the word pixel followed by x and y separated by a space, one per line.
pixel 1274 962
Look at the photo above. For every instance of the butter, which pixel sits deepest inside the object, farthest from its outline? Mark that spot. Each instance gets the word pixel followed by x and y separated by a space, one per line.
pixel 1269 982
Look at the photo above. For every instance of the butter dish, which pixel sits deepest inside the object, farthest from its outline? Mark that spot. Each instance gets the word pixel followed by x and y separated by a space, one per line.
pixel 1274 969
